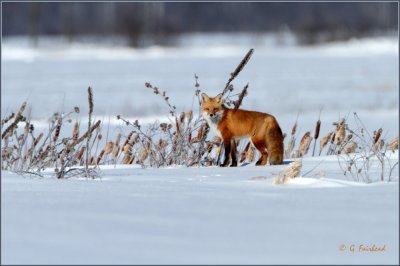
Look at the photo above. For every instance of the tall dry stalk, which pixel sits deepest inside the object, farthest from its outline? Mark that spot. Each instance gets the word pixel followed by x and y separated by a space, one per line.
pixel 90 100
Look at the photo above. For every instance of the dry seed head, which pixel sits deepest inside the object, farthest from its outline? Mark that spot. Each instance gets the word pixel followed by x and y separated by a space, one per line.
pixel 394 144
pixel 217 140
pixel 305 143
pixel 182 118
pixel 75 132
pixel 109 147
pixel 379 145
pixel 351 148
pixel 118 139
pixel 317 129
pixel 289 146
pixel 80 154
pixel 100 157
pixel 294 129
pixel 127 140
pixel 90 100
pixel 200 132
pixel 377 135
pixel 5 120
pixel 127 159
pixel 76 109
pixel 340 132
pixel 189 116
pixel 292 171
pixel 116 151
pixel 37 139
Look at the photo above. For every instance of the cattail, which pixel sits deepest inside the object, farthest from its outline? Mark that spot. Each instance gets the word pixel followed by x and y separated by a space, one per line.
pixel 127 140
pixel 91 160
pixel 379 145
pixel 99 137
pixel 340 132
pixel 178 130
pixel 305 143
pixel 238 69
pixel 394 144
pixel 316 134
pixel 116 149
pixel 20 111
pixel 289 147
pixel 90 100
pixel 100 156
pixel 128 158
pixel 377 135
pixel 75 132
pixel 348 138
pixel 162 144
pixel 242 94
pixel 317 129
pixel 182 118
pixel 294 128
pixel 37 139
pixel 44 153
pixel 84 136
pixel 143 154
pixel 17 119
pixel 189 116
pixel 351 148
pixel 200 132
pixel 5 120
pixel 80 154
pixel 109 147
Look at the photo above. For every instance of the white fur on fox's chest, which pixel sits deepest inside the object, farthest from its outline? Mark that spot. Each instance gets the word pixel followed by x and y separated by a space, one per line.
pixel 213 122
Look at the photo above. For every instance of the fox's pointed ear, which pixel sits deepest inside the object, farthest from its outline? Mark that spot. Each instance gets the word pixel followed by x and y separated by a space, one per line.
pixel 218 98
pixel 204 97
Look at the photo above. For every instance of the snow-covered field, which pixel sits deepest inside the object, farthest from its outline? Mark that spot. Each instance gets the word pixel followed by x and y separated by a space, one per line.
pixel 199 216
pixel 204 215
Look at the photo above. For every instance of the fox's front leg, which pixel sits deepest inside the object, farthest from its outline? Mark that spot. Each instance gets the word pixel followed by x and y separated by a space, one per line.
pixel 227 145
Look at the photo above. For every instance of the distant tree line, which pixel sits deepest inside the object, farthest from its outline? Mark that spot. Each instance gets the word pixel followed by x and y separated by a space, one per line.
pixel 156 22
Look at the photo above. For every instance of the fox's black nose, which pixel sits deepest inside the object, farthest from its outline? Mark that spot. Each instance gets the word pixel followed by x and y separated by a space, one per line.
pixel 211 115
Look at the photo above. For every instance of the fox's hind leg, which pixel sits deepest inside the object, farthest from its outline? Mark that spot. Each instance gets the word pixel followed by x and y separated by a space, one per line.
pixel 259 144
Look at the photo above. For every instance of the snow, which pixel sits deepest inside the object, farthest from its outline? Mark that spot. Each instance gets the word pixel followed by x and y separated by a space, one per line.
pixel 210 215
pixel 198 216
pixel 204 215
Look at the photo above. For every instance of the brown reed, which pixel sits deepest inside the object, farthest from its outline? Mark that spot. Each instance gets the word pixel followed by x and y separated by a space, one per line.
pixel 305 143
pixel 394 144
pixel 325 141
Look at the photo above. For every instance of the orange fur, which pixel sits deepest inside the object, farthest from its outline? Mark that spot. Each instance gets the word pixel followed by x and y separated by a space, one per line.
pixel 262 129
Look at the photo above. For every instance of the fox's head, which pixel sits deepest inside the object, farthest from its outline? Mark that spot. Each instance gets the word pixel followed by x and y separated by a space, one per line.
pixel 212 108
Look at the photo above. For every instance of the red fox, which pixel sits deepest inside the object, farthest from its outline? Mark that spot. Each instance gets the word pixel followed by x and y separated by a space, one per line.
pixel 262 129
